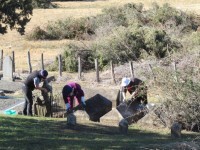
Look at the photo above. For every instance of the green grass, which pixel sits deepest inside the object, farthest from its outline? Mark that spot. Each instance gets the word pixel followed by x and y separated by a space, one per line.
pixel 18 132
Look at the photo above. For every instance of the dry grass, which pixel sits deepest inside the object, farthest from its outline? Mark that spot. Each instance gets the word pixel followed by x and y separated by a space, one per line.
pixel 12 41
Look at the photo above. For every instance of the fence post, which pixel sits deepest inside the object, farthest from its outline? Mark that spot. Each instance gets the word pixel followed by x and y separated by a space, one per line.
pixel 42 62
pixel 79 68
pixel 131 69
pixel 13 60
pixel 29 62
pixel 1 60
pixel 97 70
pixel 112 72
pixel 60 65
pixel 151 68
pixel 175 70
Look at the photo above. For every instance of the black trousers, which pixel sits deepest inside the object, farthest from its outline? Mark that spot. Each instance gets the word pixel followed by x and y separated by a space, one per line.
pixel 27 110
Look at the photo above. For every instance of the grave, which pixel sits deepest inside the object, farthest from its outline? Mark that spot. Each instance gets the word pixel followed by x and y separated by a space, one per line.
pixel 97 106
pixel 7 69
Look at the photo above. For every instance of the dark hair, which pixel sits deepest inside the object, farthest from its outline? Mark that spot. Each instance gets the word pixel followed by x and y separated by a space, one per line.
pixel 44 73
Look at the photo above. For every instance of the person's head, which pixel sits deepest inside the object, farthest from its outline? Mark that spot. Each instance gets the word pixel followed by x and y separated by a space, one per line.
pixel 125 81
pixel 44 74
pixel 68 90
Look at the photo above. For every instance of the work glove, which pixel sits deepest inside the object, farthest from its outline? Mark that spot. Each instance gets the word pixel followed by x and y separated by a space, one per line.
pixel 83 102
pixel 67 106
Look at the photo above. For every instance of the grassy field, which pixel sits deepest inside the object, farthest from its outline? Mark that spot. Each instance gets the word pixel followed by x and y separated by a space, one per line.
pixel 12 41
pixel 20 133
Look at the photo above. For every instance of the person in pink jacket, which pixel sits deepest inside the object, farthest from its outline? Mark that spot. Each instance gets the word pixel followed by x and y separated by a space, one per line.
pixel 71 91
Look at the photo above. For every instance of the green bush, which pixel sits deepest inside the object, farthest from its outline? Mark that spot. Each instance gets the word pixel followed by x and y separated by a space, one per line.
pixel 65 29
pixel 37 34
pixel 43 4
pixel 127 44
pixel 70 59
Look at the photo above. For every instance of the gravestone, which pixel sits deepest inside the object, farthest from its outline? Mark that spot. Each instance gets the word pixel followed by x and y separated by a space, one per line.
pixel 176 130
pixel 113 118
pixel 132 111
pixel 7 69
pixel 71 119
pixel 97 106
pixel 123 126
pixel 81 115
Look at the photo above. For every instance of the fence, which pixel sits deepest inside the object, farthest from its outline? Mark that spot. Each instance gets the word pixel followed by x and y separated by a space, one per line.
pixel 112 75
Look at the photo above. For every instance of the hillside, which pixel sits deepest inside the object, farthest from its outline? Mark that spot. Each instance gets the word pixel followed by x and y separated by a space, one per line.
pixel 170 80
pixel 14 42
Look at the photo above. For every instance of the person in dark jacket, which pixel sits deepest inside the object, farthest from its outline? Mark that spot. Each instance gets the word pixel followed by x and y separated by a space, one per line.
pixel 136 88
pixel 70 91
pixel 31 83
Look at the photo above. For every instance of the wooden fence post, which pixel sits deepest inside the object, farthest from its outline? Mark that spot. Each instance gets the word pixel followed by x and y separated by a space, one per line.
pixel 1 60
pixel 60 65
pixel 42 62
pixel 175 70
pixel 29 62
pixel 112 72
pixel 79 68
pixel 13 60
pixel 97 70
pixel 131 69
pixel 151 68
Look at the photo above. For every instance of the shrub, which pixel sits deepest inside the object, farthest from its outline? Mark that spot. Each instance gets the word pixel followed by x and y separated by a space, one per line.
pixel 181 92
pixel 37 34
pixel 172 20
pixel 43 4
pixel 70 59
pixel 127 44
pixel 65 29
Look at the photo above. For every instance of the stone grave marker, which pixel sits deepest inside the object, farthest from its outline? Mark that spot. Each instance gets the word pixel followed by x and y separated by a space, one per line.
pixel 113 117
pixel 97 106
pixel 7 69
pixel 132 111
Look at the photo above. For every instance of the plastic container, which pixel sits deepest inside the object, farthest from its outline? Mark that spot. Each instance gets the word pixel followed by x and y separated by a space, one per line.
pixel 10 112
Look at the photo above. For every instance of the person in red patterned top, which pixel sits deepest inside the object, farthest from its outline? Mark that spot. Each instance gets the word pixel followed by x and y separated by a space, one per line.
pixel 71 91
pixel 136 88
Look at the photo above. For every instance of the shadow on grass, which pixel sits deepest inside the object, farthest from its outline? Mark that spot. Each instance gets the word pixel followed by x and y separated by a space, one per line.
pixel 35 133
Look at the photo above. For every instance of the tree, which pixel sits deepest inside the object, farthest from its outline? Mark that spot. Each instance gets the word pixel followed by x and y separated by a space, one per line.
pixel 15 14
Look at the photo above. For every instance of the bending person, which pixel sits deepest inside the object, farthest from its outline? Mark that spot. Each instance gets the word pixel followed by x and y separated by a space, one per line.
pixel 70 92
pixel 31 83
pixel 136 88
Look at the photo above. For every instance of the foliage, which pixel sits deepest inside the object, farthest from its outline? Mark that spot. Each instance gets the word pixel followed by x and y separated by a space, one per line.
pixel 15 15
pixel 181 93
pixel 195 38
pixel 126 44
pixel 70 59
pixel 172 20
pixel 125 33
pixel 43 4
pixel 64 29
pixel 37 34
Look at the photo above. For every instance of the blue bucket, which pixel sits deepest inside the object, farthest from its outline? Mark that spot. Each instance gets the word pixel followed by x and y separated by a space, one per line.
pixel 10 112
